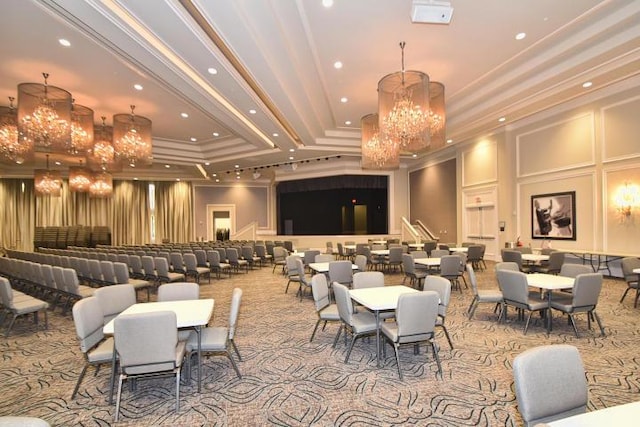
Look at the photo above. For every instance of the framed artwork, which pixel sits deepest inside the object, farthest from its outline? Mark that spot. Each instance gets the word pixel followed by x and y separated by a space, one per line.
pixel 553 216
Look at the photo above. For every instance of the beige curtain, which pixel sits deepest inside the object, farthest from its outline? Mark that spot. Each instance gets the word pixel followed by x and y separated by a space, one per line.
pixel 130 213
pixel 17 215
pixel 174 212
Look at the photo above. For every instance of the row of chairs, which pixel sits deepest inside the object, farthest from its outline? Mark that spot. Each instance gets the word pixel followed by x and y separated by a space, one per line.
pixel 16 304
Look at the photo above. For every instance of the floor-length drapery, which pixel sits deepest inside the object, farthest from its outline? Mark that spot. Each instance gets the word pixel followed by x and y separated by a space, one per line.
pixel 130 213
pixel 174 211
pixel 17 215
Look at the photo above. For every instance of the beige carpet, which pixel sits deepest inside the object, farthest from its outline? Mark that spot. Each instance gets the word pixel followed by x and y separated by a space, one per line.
pixel 288 381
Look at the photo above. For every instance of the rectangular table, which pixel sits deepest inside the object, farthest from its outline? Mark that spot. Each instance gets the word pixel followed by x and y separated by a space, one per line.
pixel 416 245
pixel 462 249
pixel 189 314
pixel 377 300
pixel 550 283
pixel 535 257
pixel 323 267
pixel 428 262
pixel 626 415
pixel 380 252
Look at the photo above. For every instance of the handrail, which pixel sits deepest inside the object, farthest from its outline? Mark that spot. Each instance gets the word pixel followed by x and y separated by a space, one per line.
pixel 426 230
pixel 410 231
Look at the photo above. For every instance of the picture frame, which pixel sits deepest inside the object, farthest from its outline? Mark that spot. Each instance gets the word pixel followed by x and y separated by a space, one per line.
pixel 553 216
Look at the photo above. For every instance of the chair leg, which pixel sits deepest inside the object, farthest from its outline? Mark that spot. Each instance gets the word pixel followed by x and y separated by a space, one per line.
pixel 526 325
pixel 75 390
pixel 434 347
pixel 353 340
pixel 235 367
pixel 235 348
pixel 599 322
pixel 313 334
pixel 177 389
pixel 335 341
pixel 118 395
pixel 395 347
pixel 446 334
pixel 472 307
pixel 625 294
pixel 573 323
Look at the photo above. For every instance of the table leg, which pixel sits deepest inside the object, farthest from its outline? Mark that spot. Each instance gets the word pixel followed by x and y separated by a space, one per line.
pixel 198 330
pixel 377 312
pixel 549 318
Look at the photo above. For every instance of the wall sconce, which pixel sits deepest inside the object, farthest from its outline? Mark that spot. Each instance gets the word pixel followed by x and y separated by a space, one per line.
pixel 627 198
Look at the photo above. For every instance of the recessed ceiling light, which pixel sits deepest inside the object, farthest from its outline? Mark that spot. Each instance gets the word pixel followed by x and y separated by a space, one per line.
pixel 212 71
pixel 348 123
pixel 344 100
pixel 502 119
pixel 414 155
pixel 252 111
pixel 184 115
pixel 137 86
pixel 238 177
pixel 449 141
pixel 327 3
pixel 64 42
pixel 290 157
pixel 178 179
pixel 587 84
pixel 217 180
pixel 167 166
pixel 207 163
pixel 214 174
pixel 291 150
pixel 216 134
pixel 275 134
pixel 337 65
pixel 58 163
pixel 236 166
pixel 135 178
pixel 521 36
pixel 132 165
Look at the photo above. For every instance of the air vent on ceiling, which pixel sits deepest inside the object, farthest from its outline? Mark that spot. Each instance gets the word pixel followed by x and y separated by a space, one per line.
pixel 431 12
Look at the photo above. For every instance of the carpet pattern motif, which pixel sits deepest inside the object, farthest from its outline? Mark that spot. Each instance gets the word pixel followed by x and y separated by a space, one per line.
pixel 288 381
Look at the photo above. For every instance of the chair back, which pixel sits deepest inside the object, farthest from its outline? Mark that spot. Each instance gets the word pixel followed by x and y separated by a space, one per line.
pixel 474 253
pixel 247 253
pixel 323 258
pixel 341 272
pixel 292 265
pixel 310 256
pixel 450 265
pixel 114 300
pixel 512 256
pixel 178 291
pixel 550 383
pixel 408 264
pixel 628 265
pixel 6 293
pixel 368 279
pixel 87 318
pixel 472 279
pixel 70 280
pixel 190 262
pixel 108 272
pixel 136 266
pixel 232 255
pixel 513 285
pixel 361 262
pixel 573 270
pixel 279 254
pixel 148 265
pixel 213 257
pixel 443 287
pixel 146 342
pixel 416 316
pixel 395 255
pixel 343 301
pixel 201 258
pixel 556 260
pixel 430 245
pixel 162 266
pixel 439 253
pixel 300 270
pixel 177 262
pixel 121 272
pixel 236 297
pixel 586 290
pixel 511 266
pixel 320 291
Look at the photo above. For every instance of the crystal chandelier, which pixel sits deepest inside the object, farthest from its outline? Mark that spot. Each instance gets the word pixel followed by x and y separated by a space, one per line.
pixel 132 138
pixel 47 182
pixel 80 179
pixel 437 116
pixel 44 115
pixel 12 149
pixel 403 107
pixel 102 156
pixel 102 185
pixel 81 129
pixel 377 152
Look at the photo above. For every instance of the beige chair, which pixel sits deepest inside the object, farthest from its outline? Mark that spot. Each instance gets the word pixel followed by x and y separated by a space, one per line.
pixel 415 322
pixel 628 265
pixel 147 346
pixel 492 296
pixel 87 318
pixel 416 277
pixel 550 383
pixel 327 312
pixel 358 324
pixel 114 300
pixel 443 287
pixel 584 299
pixel 515 292
pixel 219 339
pixel 20 306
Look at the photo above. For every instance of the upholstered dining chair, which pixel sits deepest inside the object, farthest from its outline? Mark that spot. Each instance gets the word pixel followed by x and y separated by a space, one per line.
pixel 443 287
pixel 515 292
pixel 550 383
pixel 20 306
pixel 368 279
pixel 147 346
pixel 216 265
pixel 415 322
pixel 122 277
pixel 584 299
pixel 219 339
pixel 178 291
pixel 293 275
pixel 553 265
pixel 628 265
pixel 573 270
pixel 341 272
pixel 114 300
pixel 193 270
pixel 279 258
pixel 97 350
pixel 327 312
pixel 492 296
pixel 416 277
pixel 362 323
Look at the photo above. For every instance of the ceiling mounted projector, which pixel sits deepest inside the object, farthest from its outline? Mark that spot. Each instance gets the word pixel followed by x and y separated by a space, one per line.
pixel 431 12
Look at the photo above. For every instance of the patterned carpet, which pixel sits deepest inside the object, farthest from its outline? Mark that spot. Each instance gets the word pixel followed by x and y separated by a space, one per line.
pixel 288 381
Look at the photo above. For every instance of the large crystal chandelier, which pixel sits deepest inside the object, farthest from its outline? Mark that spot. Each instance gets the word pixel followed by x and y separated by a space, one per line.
pixel 81 129
pixel 80 179
pixel 102 156
pixel 437 116
pixel 377 152
pixel 12 148
pixel 47 182
pixel 44 115
pixel 132 138
pixel 102 185
pixel 403 107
